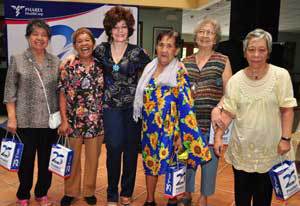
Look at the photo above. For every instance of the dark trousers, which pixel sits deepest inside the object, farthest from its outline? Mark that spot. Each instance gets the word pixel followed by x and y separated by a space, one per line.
pixel 252 186
pixel 35 140
pixel 121 136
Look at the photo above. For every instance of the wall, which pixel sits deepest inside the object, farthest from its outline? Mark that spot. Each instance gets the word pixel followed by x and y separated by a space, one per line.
pixel 158 18
pixel 293 37
pixel 1 9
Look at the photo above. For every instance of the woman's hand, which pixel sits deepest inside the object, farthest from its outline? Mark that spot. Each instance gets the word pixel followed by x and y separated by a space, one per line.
pixel 12 125
pixel 177 144
pixel 283 147
pixel 64 128
pixel 69 59
pixel 216 119
pixel 218 146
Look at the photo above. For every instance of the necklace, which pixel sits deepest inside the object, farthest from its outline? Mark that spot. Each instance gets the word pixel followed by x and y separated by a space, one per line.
pixel 117 57
pixel 257 74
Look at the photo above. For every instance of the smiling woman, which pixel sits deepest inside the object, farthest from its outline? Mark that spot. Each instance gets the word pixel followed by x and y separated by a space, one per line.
pixel 27 111
pixel 81 90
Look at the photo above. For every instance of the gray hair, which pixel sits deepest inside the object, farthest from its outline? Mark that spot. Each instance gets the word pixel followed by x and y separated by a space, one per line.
pixel 260 34
pixel 214 23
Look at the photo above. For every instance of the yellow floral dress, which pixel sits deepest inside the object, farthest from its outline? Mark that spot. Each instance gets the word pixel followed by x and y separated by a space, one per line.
pixel 168 114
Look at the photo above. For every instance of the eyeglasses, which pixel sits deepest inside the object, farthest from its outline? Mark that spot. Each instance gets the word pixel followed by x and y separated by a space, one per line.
pixel 253 50
pixel 206 32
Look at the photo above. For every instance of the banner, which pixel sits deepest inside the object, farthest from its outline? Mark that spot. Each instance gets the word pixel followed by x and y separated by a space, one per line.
pixel 63 17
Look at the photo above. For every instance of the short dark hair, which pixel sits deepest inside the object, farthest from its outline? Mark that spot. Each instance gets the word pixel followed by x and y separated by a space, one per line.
pixel 170 34
pixel 37 23
pixel 114 16
pixel 83 30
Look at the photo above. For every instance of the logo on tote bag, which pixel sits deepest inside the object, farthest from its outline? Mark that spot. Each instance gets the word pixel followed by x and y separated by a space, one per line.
pixel 58 158
pixel 6 152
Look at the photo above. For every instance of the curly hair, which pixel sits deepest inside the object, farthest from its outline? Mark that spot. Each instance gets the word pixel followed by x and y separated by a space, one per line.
pixel 114 16
pixel 216 26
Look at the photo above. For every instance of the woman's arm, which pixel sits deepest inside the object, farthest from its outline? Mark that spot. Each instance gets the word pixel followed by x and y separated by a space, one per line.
pixel 287 117
pixel 64 126
pixel 216 112
pixel 12 119
pixel 10 95
pixel 226 118
pixel 69 59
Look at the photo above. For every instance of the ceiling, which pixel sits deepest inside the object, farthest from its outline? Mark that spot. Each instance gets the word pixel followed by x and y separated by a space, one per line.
pixel 289 20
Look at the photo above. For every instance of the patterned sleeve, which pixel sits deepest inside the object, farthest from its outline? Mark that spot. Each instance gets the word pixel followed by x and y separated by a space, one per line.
pixel 11 82
pixel 191 136
pixel 99 52
pixel 63 79
pixel 144 59
pixel 138 59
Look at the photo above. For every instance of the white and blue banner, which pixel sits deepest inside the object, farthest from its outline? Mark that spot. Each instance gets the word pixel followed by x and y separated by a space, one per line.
pixel 63 17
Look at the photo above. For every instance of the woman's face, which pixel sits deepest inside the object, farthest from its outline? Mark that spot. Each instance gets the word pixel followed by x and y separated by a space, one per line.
pixel 166 50
pixel 38 39
pixel 257 52
pixel 119 32
pixel 84 46
pixel 206 36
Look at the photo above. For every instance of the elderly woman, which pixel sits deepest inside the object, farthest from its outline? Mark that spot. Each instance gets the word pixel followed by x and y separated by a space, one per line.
pixel 260 100
pixel 122 64
pixel 80 100
pixel 208 72
pixel 27 109
pixel 163 100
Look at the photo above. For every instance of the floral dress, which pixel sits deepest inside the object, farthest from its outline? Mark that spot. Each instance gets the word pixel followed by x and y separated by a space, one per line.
pixel 83 88
pixel 167 115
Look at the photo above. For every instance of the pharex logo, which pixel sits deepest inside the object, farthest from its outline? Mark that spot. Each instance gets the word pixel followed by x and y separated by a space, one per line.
pixel 28 11
pixel 17 9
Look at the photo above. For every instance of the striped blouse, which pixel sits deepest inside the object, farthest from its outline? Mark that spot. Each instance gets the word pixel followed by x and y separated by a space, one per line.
pixel 207 85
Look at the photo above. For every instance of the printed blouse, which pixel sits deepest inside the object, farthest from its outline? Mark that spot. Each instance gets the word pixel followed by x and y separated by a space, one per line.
pixel 83 88
pixel 207 84
pixel 23 87
pixel 121 78
pixel 257 130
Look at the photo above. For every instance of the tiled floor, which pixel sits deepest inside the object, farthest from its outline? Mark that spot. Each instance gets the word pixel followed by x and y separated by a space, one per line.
pixel 223 196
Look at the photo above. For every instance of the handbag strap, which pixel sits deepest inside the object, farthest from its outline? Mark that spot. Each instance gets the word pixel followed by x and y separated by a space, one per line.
pixel 43 88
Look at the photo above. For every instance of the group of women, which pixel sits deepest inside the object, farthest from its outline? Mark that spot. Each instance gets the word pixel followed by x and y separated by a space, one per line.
pixel 113 91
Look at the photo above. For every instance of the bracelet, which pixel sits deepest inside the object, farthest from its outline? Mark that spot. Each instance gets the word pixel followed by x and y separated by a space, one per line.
pixel 286 139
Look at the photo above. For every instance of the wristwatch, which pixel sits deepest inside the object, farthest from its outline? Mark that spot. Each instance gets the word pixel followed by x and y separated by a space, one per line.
pixel 286 139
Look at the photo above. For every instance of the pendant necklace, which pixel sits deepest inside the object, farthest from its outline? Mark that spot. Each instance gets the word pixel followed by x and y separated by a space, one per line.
pixel 116 66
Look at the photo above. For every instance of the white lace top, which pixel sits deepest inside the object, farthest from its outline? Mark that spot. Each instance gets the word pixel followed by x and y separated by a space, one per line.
pixel 257 127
